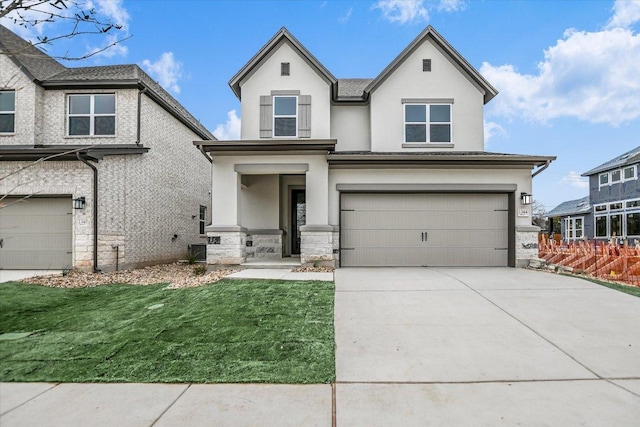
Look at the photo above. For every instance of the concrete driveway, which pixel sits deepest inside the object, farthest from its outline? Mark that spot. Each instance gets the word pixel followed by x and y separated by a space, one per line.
pixel 415 347
pixel 484 347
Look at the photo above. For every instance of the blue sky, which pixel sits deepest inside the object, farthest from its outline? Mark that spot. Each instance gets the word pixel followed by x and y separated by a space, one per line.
pixel 568 71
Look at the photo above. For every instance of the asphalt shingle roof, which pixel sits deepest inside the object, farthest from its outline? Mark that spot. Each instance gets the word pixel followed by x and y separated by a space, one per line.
pixel 571 207
pixel 46 70
pixel 352 87
pixel 627 158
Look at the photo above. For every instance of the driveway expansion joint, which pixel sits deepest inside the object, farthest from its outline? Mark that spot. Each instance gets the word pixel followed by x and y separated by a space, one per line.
pixel 170 405
pixel 54 385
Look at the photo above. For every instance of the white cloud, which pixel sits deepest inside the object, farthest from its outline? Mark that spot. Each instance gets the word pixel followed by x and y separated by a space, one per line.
pixel 345 18
pixel 493 129
pixel 166 70
pixel 451 5
pixel 575 180
pixel 113 10
pixel 229 130
pixel 410 11
pixel 592 76
pixel 625 13
pixel 403 11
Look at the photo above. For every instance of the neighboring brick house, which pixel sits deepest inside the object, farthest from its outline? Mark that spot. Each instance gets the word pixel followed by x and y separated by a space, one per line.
pixel 389 171
pixel 612 208
pixel 109 126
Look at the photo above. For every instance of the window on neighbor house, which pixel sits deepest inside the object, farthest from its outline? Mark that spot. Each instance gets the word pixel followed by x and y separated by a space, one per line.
pixel 633 224
pixel 615 176
pixel 601 226
pixel 574 228
pixel 629 173
pixel 285 117
pixel 203 218
pixel 427 123
pixel 615 225
pixel 604 179
pixel 92 115
pixel 7 111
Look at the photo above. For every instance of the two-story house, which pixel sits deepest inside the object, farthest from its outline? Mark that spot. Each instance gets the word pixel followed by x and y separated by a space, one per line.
pixel 612 208
pixel 389 171
pixel 97 166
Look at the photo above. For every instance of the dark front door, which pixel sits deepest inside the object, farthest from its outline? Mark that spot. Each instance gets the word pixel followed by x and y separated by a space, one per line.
pixel 298 218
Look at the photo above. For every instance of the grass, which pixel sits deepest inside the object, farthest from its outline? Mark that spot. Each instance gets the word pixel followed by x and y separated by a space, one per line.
pixel 233 331
pixel 631 290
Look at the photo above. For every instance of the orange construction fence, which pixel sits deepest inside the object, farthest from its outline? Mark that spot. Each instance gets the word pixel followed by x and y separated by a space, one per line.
pixel 605 260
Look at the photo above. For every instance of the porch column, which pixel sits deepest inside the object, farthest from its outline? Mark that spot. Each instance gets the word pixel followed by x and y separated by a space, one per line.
pixel 226 238
pixel 317 235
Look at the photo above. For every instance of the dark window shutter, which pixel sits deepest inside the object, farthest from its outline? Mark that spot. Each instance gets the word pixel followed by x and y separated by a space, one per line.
pixel 426 65
pixel 304 116
pixel 266 116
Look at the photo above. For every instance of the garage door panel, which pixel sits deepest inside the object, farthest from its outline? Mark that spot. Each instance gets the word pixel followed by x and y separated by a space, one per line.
pixel 407 220
pixel 36 233
pixel 461 229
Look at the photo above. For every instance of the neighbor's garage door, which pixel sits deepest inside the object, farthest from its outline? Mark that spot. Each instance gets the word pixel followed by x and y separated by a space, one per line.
pixel 36 233
pixel 424 229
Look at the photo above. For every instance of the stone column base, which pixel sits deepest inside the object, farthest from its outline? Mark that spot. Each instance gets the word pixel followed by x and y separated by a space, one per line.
pixel 316 247
pixel 526 244
pixel 226 245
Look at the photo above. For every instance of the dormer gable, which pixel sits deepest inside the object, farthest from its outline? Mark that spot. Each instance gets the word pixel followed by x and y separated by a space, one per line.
pixel 283 36
pixel 431 35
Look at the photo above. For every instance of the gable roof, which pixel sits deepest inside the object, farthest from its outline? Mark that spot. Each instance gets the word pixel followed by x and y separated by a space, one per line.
pixel 571 207
pixel 358 90
pixel 282 36
pixel 462 64
pixel 627 158
pixel 49 73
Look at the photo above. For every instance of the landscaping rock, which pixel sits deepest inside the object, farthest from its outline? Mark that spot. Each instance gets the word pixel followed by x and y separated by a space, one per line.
pixel 178 275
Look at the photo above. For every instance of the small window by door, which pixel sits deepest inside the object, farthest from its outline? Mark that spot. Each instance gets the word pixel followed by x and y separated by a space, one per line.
pixel 203 218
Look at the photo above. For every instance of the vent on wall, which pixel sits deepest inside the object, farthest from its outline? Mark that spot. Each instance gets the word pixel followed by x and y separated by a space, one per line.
pixel 426 65
pixel 284 68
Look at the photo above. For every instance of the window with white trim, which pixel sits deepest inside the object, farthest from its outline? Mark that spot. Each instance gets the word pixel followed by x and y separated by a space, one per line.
pixel 603 179
pixel 91 115
pixel 621 218
pixel 574 227
pixel 7 111
pixel 203 218
pixel 427 123
pixel 629 173
pixel 285 116
pixel 615 176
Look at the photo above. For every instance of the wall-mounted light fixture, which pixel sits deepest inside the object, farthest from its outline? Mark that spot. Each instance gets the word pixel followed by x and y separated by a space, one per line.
pixel 79 203
pixel 525 198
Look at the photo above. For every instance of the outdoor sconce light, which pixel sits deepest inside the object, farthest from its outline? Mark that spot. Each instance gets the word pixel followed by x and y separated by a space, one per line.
pixel 79 203
pixel 525 198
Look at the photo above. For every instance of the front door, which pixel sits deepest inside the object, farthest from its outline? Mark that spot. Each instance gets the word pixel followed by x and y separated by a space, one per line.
pixel 298 218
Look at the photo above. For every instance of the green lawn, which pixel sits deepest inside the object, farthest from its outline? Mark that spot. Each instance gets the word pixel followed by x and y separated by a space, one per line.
pixel 230 331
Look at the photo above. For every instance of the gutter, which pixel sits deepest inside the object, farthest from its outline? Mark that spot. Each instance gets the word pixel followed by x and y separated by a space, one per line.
pixel 546 165
pixel 95 212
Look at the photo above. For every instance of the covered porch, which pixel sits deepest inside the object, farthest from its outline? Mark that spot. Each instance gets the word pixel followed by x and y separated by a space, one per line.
pixel 270 204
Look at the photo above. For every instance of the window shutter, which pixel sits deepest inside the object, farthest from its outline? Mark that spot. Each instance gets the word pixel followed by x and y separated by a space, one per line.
pixel 304 116
pixel 266 116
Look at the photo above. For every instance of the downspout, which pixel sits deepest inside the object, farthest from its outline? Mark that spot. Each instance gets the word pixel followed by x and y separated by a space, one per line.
pixel 546 165
pixel 95 211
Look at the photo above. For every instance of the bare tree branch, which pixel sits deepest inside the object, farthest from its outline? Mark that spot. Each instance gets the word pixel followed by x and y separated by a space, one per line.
pixel 43 159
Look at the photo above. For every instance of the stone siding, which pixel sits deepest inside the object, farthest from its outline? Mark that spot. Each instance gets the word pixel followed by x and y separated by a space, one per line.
pixel 526 245
pixel 317 248
pixel 264 246
pixel 226 247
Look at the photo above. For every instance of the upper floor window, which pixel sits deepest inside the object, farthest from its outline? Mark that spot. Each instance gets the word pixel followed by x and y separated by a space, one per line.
pixel 92 115
pixel 629 173
pixel 285 117
pixel 7 111
pixel 427 123
pixel 615 176
pixel 604 179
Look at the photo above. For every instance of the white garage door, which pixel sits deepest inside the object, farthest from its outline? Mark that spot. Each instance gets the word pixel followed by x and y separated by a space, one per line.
pixel 36 233
pixel 419 229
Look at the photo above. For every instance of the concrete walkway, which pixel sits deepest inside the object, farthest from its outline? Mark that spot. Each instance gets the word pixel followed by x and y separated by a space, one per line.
pixel 444 347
